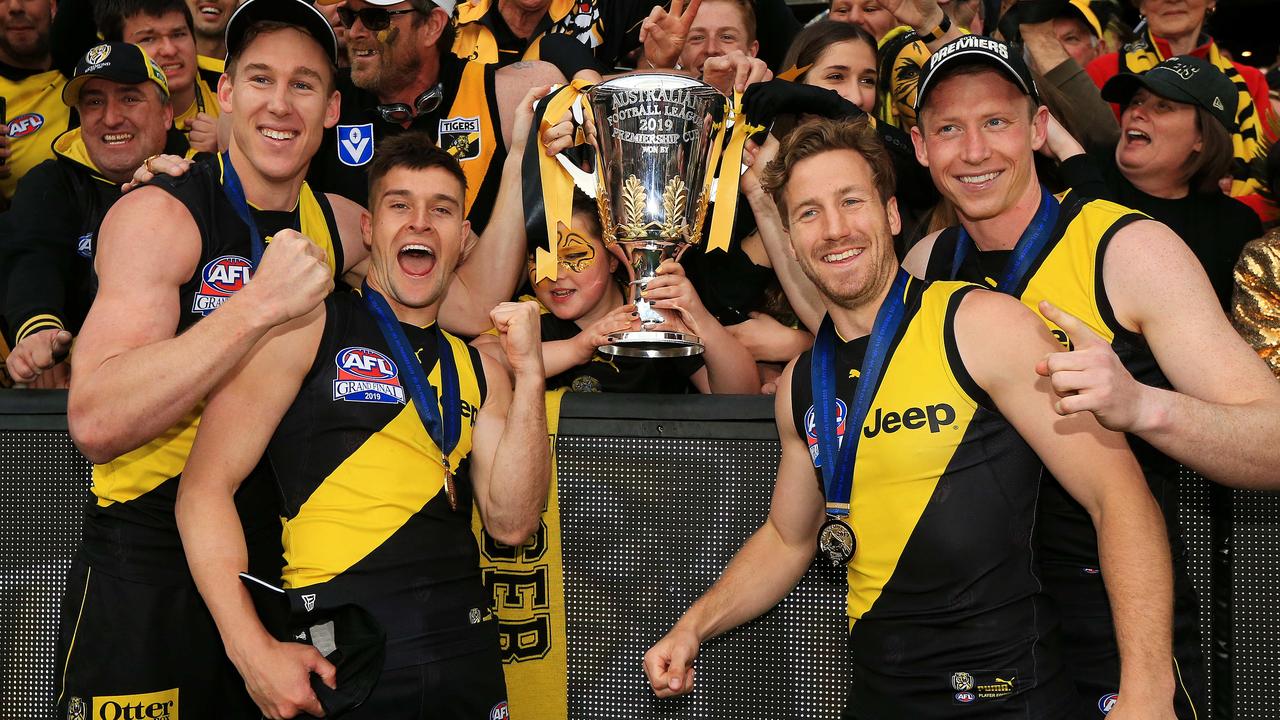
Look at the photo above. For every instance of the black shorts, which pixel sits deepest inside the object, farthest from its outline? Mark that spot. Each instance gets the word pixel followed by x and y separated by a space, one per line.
pixel 154 648
pixel 466 687
pixel 1089 642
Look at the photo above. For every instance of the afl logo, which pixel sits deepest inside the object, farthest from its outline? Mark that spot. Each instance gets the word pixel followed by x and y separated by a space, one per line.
pixel 811 429
pixel 1107 702
pixel 965 697
pixel 366 375
pixel 25 125
pixel 221 278
pixel 499 712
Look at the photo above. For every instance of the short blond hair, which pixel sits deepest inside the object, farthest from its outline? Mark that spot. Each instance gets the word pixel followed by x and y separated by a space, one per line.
pixel 821 135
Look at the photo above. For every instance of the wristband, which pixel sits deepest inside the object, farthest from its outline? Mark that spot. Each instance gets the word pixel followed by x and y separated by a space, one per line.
pixel 937 33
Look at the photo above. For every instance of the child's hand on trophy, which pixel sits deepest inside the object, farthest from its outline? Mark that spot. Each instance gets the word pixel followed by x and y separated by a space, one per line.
pixel 671 290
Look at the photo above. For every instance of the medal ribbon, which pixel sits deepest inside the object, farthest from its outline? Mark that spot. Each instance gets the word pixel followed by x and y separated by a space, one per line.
pixel 1033 241
pixel 837 476
pixel 444 430
pixel 235 194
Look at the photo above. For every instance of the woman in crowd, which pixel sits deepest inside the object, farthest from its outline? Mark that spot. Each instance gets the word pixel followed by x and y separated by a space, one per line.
pixel 1176 27
pixel 588 301
pixel 1174 151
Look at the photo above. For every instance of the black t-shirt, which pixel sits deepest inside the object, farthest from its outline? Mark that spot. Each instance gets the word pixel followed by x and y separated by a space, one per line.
pixel 607 373
pixel 1214 226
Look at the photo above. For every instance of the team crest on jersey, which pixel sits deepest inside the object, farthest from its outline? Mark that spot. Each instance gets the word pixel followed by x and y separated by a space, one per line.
pixel 811 429
pixel 75 709
pixel 355 144
pixel 460 137
pixel 25 125
pixel 499 712
pixel 366 375
pixel 221 278
pixel 1106 702
pixel 582 22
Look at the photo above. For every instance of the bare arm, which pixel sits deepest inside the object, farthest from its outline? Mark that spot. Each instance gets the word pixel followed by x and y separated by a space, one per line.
pixel 917 260
pixel 1099 471
pixel 494 262
pixel 766 568
pixel 236 425
pixel 511 466
pixel 1225 407
pixel 134 379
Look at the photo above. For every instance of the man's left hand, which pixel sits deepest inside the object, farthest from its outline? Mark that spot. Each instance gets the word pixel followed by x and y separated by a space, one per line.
pixel 520 332
pixel 202 133
pixel 734 72
pixel 158 165
pixel 1090 377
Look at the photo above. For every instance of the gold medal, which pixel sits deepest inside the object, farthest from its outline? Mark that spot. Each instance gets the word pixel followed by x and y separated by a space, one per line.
pixel 450 490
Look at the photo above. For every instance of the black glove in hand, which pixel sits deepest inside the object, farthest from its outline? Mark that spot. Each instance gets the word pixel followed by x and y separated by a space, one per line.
pixel 763 102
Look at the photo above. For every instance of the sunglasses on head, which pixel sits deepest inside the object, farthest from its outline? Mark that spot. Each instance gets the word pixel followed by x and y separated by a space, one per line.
pixel 373 18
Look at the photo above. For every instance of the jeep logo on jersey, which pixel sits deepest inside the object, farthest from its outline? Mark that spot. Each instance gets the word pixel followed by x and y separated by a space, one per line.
pixel 24 125
pixel 366 375
pixel 460 137
pixel 221 278
pixel 355 144
pixel 811 429
pixel 913 418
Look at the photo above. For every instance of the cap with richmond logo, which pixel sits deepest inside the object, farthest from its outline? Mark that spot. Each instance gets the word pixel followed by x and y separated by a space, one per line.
pixel 115 61
pixel 975 50
pixel 1183 79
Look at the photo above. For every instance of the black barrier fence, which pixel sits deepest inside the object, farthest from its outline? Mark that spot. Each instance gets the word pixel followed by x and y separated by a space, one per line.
pixel 656 495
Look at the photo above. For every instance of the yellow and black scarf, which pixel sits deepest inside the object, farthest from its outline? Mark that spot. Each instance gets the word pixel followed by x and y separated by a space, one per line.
pixel 1247 142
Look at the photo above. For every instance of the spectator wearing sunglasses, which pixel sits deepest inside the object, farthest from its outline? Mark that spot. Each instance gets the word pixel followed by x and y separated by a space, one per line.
pixel 403 77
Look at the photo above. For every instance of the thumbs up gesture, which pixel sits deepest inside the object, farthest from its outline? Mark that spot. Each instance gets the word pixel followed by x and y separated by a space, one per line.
pixel 1091 378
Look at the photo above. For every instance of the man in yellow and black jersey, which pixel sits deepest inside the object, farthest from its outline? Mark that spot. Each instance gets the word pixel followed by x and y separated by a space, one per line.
pixel 46 256
pixel 165 30
pixel 32 92
pixel 927 469
pixel 175 312
pixel 1152 356
pixel 351 407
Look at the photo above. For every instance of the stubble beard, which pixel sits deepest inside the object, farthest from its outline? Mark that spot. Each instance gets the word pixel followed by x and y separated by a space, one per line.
pixel 34 54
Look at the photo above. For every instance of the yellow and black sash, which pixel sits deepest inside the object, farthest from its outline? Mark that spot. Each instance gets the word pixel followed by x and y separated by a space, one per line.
pixel 1248 141
pixel 469 132
pixel 474 40
pixel 136 473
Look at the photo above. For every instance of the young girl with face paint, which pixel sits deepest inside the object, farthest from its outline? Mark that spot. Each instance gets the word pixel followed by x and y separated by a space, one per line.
pixel 587 302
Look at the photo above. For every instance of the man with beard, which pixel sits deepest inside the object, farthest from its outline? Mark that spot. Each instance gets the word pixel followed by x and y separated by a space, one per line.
pixel 46 256
pixel 209 18
pixel 31 89
pixel 918 426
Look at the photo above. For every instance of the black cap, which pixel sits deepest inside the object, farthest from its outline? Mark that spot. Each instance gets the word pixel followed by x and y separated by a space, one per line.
pixel 976 49
pixel 1183 79
pixel 298 13
pixel 115 61
pixel 347 636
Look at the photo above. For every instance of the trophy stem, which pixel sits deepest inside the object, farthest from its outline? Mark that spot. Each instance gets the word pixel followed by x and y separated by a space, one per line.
pixel 643 257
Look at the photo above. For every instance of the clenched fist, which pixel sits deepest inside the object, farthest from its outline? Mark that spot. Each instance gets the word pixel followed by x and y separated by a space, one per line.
pixel 292 279
pixel 520 333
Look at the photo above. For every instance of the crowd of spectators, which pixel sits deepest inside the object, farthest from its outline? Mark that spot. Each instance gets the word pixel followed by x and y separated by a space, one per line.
pixel 460 72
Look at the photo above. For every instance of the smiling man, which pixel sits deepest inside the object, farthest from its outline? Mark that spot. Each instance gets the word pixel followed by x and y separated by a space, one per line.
pixel 380 430
pixel 1152 354
pixel 175 311
pixel 32 91
pixel 210 21
pixel 47 255
pixel 909 441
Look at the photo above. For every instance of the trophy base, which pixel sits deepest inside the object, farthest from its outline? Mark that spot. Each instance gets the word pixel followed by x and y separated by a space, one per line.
pixel 652 344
